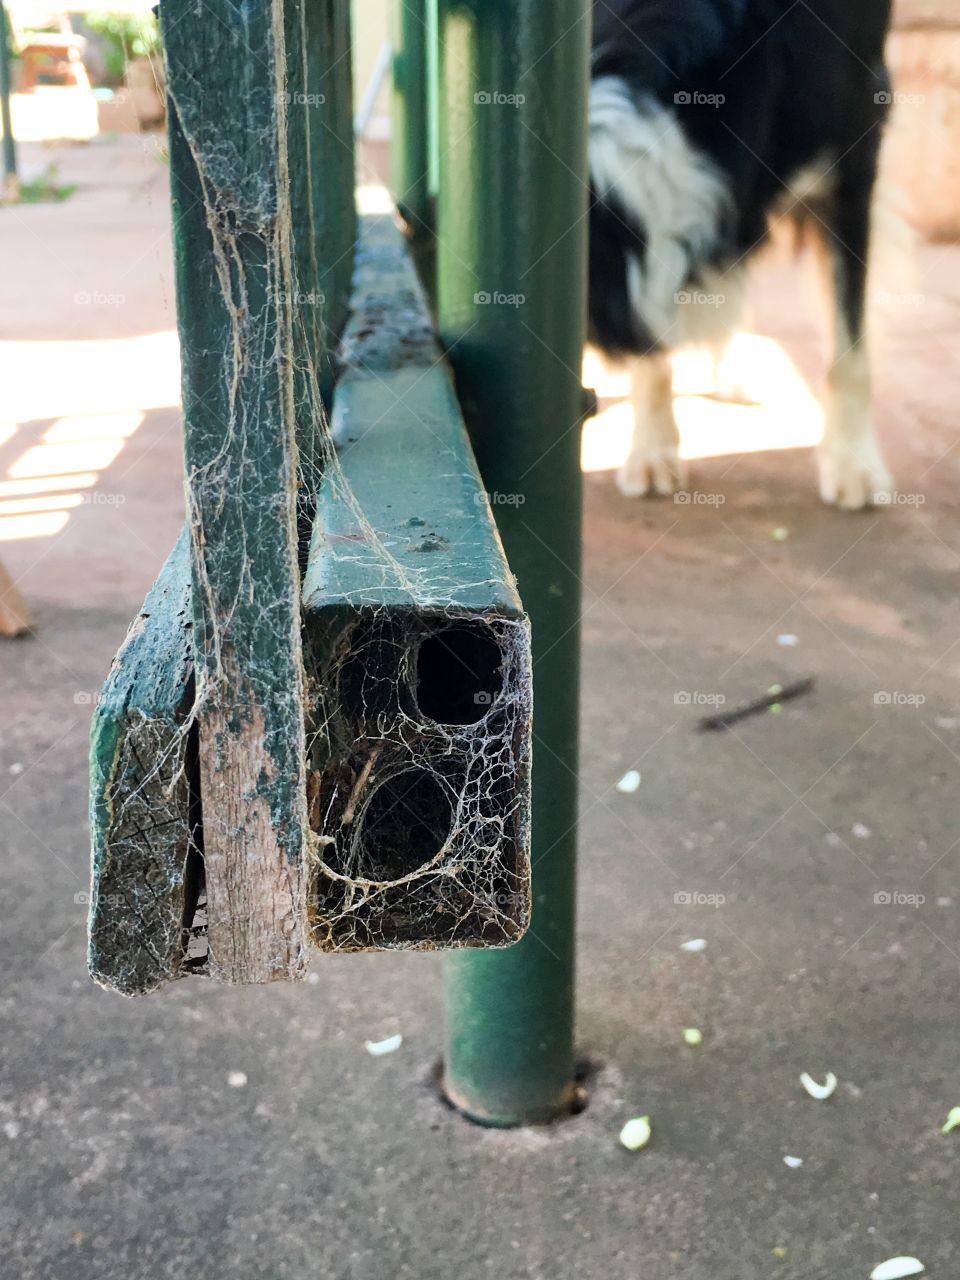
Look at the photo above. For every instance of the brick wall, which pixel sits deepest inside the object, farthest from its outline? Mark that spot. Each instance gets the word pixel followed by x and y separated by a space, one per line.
pixel 923 147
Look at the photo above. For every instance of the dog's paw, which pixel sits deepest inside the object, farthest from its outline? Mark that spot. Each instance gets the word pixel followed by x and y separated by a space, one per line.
pixel 854 476
pixel 660 472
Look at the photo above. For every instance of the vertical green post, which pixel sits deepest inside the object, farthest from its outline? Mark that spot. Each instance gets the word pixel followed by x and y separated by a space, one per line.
pixel 319 101
pixel 10 184
pixel 511 306
pixel 410 148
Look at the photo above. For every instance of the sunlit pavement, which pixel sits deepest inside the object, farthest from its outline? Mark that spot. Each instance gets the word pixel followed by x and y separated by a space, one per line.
pixel 815 850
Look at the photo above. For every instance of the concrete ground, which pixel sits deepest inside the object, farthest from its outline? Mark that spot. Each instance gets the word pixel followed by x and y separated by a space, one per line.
pixel 815 852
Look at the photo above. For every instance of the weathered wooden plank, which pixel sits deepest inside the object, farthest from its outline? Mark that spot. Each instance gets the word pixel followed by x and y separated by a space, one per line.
pixel 146 864
pixel 417 648
pixel 14 616
pixel 227 89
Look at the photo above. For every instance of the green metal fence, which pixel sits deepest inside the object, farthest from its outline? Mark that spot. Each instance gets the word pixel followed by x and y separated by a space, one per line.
pixel 318 732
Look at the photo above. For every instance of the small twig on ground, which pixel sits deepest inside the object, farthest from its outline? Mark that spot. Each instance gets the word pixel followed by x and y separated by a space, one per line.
pixel 771 698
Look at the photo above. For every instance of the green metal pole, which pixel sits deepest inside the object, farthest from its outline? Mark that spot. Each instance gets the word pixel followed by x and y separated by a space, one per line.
pixel 10 184
pixel 322 207
pixel 410 148
pixel 511 304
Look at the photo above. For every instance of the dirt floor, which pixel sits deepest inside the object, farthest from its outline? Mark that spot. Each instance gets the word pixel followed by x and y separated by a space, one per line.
pixel 815 852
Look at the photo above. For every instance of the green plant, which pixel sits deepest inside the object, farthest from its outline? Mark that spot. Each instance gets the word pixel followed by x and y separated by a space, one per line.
pixel 126 36
pixel 45 187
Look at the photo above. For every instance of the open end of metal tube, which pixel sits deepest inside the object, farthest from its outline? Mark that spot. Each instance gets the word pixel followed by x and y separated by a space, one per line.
pixel 404 824
pixel 459 673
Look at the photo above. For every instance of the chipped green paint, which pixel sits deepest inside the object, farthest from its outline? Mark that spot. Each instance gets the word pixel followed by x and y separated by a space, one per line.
pixel 227 87
pixel 145 864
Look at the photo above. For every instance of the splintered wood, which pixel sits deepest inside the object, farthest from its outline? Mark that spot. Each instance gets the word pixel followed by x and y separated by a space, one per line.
pixel 227 90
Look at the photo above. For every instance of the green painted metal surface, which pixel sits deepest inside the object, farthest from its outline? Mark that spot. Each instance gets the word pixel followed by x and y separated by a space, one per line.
pixel 511 281
pixel 9 144
pixel 417 650
pixel 320 162
pixel 410 145
pixel 405 519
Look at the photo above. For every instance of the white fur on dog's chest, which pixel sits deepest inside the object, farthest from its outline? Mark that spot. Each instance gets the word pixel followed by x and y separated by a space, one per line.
pixel 642 159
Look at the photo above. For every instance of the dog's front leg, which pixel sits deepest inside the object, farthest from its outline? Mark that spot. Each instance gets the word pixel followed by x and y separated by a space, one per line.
pixel 853 473
pixel 653 464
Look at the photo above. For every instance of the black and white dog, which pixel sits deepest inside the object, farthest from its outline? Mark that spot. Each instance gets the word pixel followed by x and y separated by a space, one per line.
pixel 708 118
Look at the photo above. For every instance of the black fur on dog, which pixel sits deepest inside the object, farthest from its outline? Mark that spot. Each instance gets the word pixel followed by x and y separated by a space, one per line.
pixel 762 90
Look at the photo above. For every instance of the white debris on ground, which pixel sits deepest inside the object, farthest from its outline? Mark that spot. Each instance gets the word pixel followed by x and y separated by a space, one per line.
pixel 695 944
pixel 692 1036
pixel 861 831
pixel 792 1162
pixel 630 782
pixel 237 1079
pixel 897 1268
pixel 819 1091
pixel 635 1134
pixel 377 1048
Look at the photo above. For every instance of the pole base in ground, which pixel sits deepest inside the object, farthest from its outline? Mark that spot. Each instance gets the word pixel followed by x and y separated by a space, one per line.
pixel 567 1103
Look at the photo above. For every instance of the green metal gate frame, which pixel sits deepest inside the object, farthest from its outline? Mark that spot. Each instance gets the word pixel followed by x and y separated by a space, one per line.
pixel 207 799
